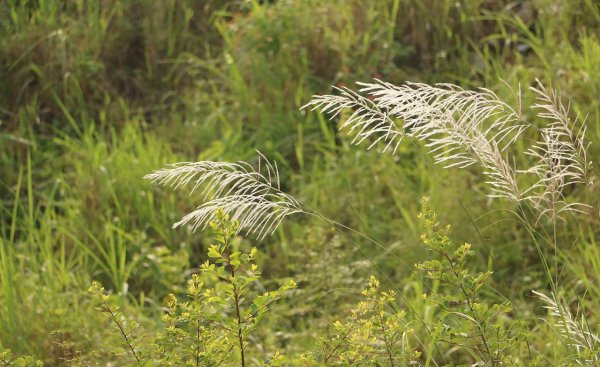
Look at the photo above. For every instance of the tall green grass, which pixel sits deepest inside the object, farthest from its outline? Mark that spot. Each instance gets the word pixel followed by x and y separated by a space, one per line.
pixel 94 95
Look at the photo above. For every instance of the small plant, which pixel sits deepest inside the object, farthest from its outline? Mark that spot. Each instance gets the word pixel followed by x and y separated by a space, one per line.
pixel 7 359
pixel 211 327
pixel 124 327
pixel 376 332
pixel 464 319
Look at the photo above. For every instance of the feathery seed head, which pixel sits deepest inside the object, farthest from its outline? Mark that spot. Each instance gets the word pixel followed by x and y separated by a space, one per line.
pixel 253 199
pixel 461 128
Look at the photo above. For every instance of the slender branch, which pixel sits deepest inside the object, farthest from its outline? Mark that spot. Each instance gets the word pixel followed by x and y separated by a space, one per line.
pixel 123 333
pixel 387 344
pixel 236 298
pixel 470 305
pixel 197 343
pixel 339 344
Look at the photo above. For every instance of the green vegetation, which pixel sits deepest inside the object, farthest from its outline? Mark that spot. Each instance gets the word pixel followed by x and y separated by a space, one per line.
pixel 196 332
pixel 96 95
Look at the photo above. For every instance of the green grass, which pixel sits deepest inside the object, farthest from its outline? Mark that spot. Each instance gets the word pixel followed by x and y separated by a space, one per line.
pixel 94 95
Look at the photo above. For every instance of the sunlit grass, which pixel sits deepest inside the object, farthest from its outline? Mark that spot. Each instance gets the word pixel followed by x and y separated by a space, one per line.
pixel 94 95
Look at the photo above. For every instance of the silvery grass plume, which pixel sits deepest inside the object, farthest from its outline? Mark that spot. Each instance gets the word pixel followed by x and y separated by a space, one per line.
pixel 561 154
pixel 577 333
pixel 252 198
pixel 461 128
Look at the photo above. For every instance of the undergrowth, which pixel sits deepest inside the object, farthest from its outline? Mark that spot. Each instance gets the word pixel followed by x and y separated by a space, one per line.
pixel 461 129
pixel 94 95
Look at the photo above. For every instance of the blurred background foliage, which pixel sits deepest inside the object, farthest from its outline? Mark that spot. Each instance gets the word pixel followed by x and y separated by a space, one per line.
pixel 95 94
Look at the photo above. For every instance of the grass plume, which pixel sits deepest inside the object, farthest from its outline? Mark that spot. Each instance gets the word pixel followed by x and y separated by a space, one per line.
pixel 252 198
pixel 576 333
pixel 461 128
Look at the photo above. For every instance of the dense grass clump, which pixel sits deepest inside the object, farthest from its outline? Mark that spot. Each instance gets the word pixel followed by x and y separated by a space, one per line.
pixel 96 95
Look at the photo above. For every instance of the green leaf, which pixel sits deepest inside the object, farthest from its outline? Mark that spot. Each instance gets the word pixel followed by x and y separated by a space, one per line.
pixel 214 251
pixel 259 301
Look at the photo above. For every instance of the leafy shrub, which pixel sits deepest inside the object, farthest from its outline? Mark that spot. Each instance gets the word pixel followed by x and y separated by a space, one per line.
pixel 212 326
pixel 7 359
pixel 464 319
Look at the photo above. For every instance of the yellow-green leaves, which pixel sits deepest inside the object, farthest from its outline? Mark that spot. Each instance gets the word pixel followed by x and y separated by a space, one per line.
pixel 375 333
pixel 462 317
pixel 8 359
pixel 211 324
pixel 214 251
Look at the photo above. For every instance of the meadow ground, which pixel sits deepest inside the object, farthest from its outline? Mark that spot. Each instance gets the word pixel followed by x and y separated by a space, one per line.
pixel 96 94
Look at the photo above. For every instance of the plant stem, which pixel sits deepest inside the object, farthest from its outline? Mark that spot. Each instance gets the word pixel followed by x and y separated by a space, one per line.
pixel 238 314
pixel 197 343
pixel 120 327
pixel 338 227
pixel 386 342
pixel 469 304
pixel 339 344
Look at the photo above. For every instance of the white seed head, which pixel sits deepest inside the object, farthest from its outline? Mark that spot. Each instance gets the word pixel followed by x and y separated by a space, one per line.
pixel 252 198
